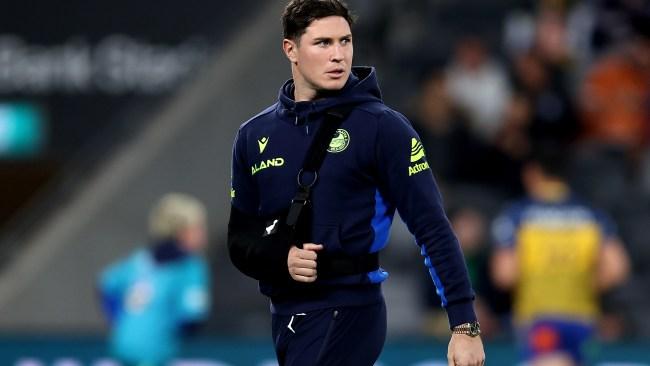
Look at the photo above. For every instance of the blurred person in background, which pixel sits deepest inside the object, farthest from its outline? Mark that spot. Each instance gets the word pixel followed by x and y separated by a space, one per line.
pixel 159 293
pixel 557 255
pixel 551 107
pixel 456 153
pixel 615 95
pixel 542 69
pixel 478 85
pixel 325 287
pixel 513 138
pixel 444 129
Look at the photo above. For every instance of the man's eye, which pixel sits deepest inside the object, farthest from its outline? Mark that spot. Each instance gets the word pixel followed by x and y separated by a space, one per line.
pixel 346 41
pixel 322 43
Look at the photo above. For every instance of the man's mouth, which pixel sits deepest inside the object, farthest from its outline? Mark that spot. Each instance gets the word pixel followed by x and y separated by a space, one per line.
pixel 336 73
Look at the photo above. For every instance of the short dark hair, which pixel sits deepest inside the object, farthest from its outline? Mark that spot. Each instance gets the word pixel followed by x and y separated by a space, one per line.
pixel 551 157
pixel 298 15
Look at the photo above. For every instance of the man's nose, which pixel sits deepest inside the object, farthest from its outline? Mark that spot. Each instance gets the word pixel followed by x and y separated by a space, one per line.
pixel 337 53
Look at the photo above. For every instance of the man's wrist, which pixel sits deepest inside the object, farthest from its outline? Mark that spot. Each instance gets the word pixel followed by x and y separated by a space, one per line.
pixel 472 329
pixel 460 313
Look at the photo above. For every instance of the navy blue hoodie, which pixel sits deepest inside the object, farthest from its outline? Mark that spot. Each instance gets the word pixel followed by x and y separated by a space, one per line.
pixel 375 165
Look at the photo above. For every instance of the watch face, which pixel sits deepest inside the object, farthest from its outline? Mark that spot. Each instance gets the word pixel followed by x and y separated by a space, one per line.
pixel 474 329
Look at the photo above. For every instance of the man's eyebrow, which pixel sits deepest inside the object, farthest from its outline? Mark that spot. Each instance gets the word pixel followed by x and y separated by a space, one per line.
pixel 318 39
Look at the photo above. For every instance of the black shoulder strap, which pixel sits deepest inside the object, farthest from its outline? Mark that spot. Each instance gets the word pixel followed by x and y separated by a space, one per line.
pixel 334 117
pixel 329 265
pixel 316 153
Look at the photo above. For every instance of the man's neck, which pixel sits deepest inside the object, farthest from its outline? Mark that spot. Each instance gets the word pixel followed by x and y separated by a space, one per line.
pixel 302 91
pixel 303 94
pixel 551 191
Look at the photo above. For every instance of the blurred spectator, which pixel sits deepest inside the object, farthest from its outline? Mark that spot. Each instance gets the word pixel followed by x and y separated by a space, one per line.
pixel 543 85
pixel 615 95
pixel 612 21
pixel 542 69
pixel 513 137
pixel 457 155
pixel 518 32
pixel 557 255
pixel 443 129
pixel 559 30
pixel 159 292
pixel 479 86
pixel 551 38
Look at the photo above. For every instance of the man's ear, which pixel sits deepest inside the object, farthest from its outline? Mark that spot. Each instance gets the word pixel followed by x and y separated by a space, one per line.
pixel 290 49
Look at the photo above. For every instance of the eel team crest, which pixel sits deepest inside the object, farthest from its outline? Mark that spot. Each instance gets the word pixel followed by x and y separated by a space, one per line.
pixel 340 141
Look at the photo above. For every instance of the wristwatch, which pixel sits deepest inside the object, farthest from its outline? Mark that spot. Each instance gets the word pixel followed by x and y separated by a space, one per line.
pixel 472 329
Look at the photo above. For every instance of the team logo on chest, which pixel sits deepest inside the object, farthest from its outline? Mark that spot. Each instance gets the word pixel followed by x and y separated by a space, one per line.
pixel 340 141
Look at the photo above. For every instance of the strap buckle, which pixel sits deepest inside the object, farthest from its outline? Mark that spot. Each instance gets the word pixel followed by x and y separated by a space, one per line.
pixel 301 175
pixel 297 204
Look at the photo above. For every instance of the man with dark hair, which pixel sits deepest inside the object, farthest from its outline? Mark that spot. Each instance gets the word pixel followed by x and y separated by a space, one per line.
pixel 325 289
pixel 556 254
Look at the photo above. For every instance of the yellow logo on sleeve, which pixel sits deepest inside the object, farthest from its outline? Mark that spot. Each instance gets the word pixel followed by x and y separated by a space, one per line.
pixel 417 154
pixel 417 150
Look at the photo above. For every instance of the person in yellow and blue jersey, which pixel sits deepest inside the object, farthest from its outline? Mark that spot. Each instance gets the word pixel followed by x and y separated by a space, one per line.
pixel 557 254
pixel 159 293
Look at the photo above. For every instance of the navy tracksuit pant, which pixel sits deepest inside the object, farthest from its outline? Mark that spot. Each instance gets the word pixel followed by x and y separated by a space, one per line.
pixel 338 336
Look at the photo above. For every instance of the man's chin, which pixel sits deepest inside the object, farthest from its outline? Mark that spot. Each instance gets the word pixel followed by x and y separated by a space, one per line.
pixel 332 86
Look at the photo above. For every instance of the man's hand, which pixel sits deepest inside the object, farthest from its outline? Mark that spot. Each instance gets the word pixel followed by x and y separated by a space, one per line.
pixel 302 262
pixel 465 351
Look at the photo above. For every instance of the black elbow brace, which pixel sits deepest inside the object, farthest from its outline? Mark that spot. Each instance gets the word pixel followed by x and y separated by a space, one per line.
pixel 255 255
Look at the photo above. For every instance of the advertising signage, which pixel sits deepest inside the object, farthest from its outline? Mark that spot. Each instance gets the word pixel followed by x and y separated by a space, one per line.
pixel 85 65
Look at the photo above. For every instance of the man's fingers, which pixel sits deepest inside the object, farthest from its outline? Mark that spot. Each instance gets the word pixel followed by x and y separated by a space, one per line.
pixel 312 247
pixel 300 278
pixel 303 263
pixel 307 254
pixel 452 361
pixel 308 272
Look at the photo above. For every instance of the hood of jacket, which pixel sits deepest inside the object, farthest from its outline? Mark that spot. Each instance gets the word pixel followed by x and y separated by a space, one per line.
pixel 361 87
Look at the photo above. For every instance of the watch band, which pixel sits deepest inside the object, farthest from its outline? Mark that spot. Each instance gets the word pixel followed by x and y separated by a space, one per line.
pixel 472 329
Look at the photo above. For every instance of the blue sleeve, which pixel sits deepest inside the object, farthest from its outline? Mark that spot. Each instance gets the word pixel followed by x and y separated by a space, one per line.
pixel 242 192
pixel 408 182
pixel 607 225
pixel 194 299
pixel 112 283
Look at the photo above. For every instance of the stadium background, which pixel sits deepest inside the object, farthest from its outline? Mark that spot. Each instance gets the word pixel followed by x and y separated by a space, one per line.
pixel 105 106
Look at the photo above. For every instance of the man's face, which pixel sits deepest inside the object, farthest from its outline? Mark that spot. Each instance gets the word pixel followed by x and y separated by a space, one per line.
pixel 323 57
pixel 194 237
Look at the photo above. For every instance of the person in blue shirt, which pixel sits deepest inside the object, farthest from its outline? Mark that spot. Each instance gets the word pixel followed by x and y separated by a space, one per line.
pixel 158 293
pixel 326 300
